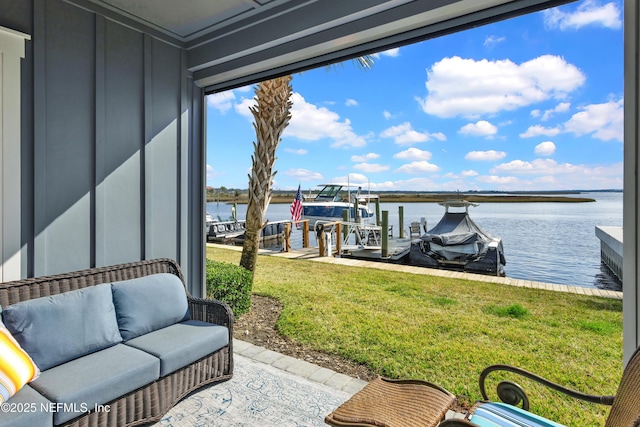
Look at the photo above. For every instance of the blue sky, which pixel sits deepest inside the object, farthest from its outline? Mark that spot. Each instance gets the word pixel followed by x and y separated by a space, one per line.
pixel 531 103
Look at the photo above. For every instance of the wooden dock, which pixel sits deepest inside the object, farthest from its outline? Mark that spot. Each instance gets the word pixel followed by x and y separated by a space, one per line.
pixel 312 254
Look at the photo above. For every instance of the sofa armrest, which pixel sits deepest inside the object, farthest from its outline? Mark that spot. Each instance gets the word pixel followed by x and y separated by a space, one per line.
pixel 212 311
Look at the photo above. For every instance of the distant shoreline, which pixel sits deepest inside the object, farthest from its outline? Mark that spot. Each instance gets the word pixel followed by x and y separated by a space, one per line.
pixel 412 197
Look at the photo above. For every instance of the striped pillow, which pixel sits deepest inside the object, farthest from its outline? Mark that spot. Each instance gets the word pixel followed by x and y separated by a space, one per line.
pixel 16 367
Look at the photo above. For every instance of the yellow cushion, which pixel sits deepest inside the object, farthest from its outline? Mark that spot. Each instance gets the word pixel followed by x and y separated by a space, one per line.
pixel 16 367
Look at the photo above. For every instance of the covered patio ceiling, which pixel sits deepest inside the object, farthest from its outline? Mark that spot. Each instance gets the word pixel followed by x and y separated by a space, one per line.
pixel 235 42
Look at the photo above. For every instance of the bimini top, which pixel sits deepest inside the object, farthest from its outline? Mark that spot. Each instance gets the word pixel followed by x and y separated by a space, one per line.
pixel 457 203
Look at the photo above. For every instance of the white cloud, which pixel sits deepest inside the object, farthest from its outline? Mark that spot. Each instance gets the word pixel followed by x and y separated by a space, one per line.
pixel 404 134
pixel 387 115
pixel 211 173
pixel 242 107
pixel 221 101
pixel 493 179
pixel 485 156
pixel 413 154
pixel 535 113
pixel 351 102
pixel 393 53
pixel 370 167
pixel 464 174
pixel 304 174
pixel 300 151
pixel 312 123
pixel 603 121
pixel 415 184
pixel 546 148
pixel 471 88
pixel 560 108
pixel 365 157
pixel 480 128
pixel 538 130
pixel 549 174
pixel 354 179
pixel 537 167
pixel 588 12
pixel 418 167
pixel 493 40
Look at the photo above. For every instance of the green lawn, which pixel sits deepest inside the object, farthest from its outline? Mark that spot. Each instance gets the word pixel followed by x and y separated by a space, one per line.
pixel 447 330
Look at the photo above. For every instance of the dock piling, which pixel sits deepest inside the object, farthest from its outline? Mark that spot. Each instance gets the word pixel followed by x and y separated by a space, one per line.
pixel 385 236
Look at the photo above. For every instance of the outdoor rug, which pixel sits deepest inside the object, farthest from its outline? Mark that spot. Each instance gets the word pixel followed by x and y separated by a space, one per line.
pixel 257 395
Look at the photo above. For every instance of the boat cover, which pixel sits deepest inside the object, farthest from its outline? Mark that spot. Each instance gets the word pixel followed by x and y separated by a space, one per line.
pixel 457 228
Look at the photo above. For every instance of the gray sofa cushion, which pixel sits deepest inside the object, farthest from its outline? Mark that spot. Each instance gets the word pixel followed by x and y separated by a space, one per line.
pixel 96 379
pixel 181 344
pixel 59 328
pixel 149 303
pixel 35 410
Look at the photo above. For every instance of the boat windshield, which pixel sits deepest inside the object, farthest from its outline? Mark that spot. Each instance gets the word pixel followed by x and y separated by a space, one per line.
pixel 334 211
pixel 329 192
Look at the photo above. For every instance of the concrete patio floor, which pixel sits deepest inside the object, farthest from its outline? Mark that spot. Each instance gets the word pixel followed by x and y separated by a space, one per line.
pixel 267 389
pixel 299 367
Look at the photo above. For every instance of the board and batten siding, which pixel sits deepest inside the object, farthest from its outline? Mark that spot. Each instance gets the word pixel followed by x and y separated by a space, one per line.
pixel 107 140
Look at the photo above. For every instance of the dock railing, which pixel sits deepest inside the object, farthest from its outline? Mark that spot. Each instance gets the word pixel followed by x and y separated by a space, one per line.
pixel 349 235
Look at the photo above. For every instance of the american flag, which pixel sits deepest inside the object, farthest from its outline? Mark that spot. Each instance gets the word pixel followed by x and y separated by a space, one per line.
pixel 296 206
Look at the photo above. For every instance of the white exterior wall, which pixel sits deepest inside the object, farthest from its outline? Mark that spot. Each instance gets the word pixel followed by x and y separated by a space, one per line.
pixel 631 299
pixel 11 54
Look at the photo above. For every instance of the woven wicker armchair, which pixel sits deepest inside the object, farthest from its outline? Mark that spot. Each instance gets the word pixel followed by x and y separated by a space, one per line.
pixel 625 405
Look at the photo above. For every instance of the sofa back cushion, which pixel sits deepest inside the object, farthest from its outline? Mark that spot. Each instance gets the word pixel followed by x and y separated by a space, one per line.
pixel 56 329
pixel 149 303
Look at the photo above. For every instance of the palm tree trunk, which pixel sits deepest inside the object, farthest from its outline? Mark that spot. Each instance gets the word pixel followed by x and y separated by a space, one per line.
pixel 271 116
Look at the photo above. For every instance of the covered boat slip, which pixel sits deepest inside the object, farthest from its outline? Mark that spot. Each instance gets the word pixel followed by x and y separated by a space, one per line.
pixel 457 241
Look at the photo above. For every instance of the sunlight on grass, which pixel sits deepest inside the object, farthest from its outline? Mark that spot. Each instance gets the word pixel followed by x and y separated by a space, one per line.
pixel 447 330
pixel 515 311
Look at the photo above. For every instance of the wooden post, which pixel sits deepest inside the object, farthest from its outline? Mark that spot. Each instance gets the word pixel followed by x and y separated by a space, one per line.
pixel 401 220
pixel 287 237
pixel 356 213
pixel 378 212
pixel 385 236
pixel 305 233
pixel 345 218
pixel 338 239
pixel 321 244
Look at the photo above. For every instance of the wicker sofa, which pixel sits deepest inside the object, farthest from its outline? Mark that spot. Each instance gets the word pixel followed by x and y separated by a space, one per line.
pixel 165 344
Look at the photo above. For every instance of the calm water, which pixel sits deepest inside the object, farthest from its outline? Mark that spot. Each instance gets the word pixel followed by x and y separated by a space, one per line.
pixel 547 242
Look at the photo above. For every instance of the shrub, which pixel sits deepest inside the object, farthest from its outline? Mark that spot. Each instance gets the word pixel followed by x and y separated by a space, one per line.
pixel 229 283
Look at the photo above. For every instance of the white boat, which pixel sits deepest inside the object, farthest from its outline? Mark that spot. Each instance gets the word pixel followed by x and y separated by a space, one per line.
pixel 209 220
pixel 330 204
pixel 458 242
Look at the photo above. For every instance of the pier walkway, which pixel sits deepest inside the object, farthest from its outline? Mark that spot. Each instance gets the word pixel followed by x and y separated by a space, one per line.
pixel 311 254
